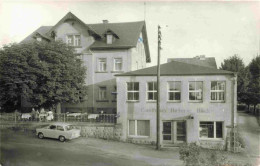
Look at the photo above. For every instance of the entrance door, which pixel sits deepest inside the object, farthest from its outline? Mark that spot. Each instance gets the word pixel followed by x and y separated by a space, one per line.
pixel 167 132
pixel 174 132
pixel 180 131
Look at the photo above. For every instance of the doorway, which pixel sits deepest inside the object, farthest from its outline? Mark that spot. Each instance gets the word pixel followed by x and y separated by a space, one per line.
pixel 174 132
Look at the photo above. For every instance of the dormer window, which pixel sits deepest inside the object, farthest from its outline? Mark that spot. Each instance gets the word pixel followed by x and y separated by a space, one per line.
pixel 73 40
pixel 109 39
pixel 39 39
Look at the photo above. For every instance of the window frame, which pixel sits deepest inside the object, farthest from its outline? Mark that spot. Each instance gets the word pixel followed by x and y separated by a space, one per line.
pixel 136 129
pixel 102 90
pixel 195 91
pixel 121 62
pixel 218 91
pixel 73 39
pixel 154 92
pixel 104 62
pixel 214 131
pixel 173 91
pixel 133 91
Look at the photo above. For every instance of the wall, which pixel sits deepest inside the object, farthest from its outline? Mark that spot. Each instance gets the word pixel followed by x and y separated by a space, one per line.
pixel 203 111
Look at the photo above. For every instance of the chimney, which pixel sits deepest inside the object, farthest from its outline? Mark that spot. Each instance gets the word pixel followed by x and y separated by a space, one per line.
pixel 105 21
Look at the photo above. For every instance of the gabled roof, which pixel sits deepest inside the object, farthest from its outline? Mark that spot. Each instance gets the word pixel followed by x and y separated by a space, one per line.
pixel 199 60
pixel 42 31
pixel 176 68
pixel 69 16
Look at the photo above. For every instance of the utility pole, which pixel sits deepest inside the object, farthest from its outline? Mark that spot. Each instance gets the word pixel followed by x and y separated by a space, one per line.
pixel 158 145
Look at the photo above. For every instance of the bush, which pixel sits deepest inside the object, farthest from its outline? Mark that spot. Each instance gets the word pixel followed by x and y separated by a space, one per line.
pixel 194 155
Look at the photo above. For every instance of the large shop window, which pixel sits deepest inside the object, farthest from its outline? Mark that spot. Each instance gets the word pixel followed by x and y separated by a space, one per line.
pixel 152 91
pixel 211 129
pixel 174 91
pixel 195 90
pixel 217 91
pixel 102 64
pixel 102 93
pixel 139 128
pixel 133 91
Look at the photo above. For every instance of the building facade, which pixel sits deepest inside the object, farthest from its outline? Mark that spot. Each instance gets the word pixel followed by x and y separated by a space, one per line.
pixel 106 49
pixel 196 104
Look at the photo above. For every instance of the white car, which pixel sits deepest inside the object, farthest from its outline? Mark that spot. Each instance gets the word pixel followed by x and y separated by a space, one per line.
pixel 26 116
pixel 59 130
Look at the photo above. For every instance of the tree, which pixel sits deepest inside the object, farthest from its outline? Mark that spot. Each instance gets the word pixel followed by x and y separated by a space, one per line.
pixel 236 64
pixel 254 84
pixel 44 74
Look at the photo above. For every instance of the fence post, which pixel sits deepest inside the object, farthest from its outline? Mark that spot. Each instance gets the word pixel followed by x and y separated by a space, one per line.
pixel 64 117
pixel 15 117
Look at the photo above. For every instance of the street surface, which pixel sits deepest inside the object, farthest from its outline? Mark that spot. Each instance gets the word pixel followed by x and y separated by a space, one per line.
pixel 250 131
pixel 21 149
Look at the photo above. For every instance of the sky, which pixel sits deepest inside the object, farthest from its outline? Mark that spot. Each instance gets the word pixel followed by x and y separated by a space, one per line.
pixel 217 29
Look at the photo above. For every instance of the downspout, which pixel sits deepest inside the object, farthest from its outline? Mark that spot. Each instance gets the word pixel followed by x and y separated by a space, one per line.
pixel 234 103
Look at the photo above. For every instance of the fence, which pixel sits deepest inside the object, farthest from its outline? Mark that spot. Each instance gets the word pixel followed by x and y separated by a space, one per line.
pixel 63 117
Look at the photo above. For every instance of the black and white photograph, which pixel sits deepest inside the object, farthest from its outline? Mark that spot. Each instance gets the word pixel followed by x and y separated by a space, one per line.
pixel 129 83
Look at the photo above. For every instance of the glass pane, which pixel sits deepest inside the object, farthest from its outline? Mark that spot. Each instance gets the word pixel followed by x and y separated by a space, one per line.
pixel 130 86
pixel 221 85
pixel 130 96
pixel 143 128
pixel 178 86
pixel 167 127
pixel 155 95
pixel 206 129
pixel 136 95
pixel 171 96
pixel 214 85
pixel 177 96
pixel 199 86
pixel 198 95
pixel 136 86
pixel 192 96
pixel 131 127
pixel 150 86
pixel 167 137
pixel 150 95
pixel 219 133
pixel 155 86
pixel 192 85
pixel 171 86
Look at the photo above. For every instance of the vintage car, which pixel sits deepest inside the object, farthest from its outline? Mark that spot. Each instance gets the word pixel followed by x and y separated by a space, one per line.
pixel 59 130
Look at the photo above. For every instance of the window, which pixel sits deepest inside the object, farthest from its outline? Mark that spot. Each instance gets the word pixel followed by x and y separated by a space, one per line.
pixel 151 91
pixel 211 129
pixel 39 39
pixel 60 128
pixel 77 40
pixel 133 91
pixel 174 91
pixel 118 64
pixel 102 93
pixel 53 127
pixel 217 91
pixel 102 64
pixel 109 39
pixel 139 128
pixel 195 90
pixel 73 40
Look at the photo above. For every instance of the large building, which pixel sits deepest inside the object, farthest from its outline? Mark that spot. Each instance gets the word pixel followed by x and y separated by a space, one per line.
pixel 196 104
pixel 106 49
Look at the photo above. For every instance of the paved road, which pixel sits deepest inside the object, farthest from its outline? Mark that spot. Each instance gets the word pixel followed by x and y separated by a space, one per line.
pixel 20 149
pixel 250 130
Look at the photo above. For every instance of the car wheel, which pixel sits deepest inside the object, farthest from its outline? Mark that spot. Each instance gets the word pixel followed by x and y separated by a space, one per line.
pixel 61 138
pixel 40 135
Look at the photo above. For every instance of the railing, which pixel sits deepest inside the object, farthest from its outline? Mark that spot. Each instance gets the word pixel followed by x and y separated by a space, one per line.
pixel 62 117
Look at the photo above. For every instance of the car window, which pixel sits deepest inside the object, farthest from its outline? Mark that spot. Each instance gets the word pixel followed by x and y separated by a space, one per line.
pixel 69 127
pixel 60 128
pixel 53 127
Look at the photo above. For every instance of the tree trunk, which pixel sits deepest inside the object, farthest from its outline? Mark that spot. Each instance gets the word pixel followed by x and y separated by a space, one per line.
pixel 248 107
pixel 254 109
pixel 58 108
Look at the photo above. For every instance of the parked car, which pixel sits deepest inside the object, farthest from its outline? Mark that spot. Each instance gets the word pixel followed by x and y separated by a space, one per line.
pixel 26 116
pixel 59 130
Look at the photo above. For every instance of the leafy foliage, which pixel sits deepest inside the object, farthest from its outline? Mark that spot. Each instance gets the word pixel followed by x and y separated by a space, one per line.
pixel 42 73
pixel 236 64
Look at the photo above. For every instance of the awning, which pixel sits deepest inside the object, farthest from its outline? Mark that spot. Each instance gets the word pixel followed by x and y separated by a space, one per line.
pixel 184 117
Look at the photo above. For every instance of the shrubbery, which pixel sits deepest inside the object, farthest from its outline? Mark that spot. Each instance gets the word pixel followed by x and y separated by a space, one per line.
pixel 194 155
